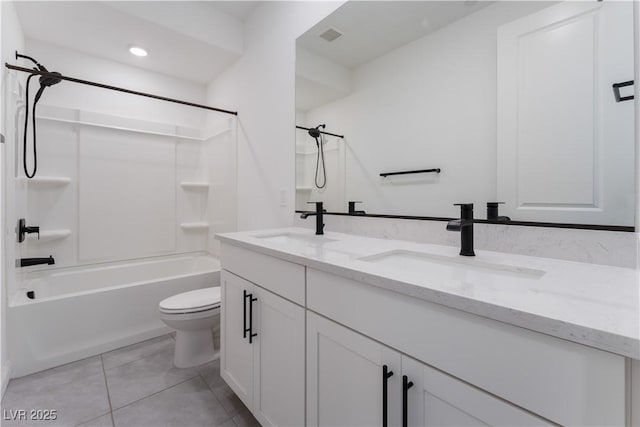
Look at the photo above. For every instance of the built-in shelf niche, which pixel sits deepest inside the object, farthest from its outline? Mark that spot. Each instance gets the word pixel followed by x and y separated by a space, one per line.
pixel 48 181
pixel 194 185
pixel 194 226
pixel 49 235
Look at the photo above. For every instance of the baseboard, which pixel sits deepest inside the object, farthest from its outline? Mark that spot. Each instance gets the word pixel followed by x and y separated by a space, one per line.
pixel 6 376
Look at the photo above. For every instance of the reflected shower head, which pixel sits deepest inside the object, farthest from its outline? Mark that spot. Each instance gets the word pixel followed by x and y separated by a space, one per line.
pixel 315 132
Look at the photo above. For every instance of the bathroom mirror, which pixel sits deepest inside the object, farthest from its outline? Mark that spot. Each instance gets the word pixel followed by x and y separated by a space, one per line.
pixel 522 102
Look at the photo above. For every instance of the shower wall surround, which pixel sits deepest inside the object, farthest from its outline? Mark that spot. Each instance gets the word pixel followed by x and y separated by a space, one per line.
pixel 123 177
pixel 621 249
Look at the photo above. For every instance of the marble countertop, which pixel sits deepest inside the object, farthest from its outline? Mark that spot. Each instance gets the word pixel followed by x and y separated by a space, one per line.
pixel 590 304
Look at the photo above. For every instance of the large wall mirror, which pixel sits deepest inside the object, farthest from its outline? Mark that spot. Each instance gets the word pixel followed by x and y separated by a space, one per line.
pixel 521 102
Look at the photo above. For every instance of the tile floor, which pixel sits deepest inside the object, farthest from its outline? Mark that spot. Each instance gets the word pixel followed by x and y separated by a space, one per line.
pixel 131 386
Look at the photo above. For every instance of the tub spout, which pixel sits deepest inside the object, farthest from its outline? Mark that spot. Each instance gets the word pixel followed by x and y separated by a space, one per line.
pixel 27 262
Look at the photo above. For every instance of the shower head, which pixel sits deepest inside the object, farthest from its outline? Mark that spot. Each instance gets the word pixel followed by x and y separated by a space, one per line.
pixel 47 81
pixel 315 132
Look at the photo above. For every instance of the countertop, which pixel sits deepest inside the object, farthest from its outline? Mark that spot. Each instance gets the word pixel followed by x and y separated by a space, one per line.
pixel 594 305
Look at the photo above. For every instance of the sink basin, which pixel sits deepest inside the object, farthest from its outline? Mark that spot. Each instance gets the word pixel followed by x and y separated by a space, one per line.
pixel 450 267
pixel 295 239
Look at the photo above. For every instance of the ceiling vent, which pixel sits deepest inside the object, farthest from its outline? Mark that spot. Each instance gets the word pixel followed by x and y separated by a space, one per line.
pixel 330 34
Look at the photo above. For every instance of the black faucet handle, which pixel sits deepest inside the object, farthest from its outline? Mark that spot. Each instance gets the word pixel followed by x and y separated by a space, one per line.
pixel 492 212
pixel 352 207
pixel 464 205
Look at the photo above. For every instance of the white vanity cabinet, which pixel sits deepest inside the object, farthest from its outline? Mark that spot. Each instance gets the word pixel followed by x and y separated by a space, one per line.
pixel 327 344
pixel 347 374
pixel 263 339
pixel 505 371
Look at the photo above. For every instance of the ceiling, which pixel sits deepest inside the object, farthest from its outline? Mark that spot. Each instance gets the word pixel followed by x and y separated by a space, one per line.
pixel 190 40
pixel 372 28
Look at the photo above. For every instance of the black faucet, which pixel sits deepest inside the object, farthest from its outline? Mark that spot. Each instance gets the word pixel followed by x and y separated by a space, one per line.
pixel 23 229
pixel 319 217
pixel 465 226
pixel 28 262
pixel 352 209
pixel 492 212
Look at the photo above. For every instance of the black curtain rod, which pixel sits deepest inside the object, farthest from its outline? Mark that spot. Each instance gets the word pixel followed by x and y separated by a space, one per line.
pixel 326 133
pixel 117 89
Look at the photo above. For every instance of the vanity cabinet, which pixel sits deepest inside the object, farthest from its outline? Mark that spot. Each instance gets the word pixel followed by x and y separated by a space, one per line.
pixel 302 346
pixel 347 374
pixel 263 346
pixel 560 381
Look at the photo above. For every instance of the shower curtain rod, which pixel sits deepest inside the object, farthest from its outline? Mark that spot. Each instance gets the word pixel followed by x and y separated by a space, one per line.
pixel 116 88
pixel 326 133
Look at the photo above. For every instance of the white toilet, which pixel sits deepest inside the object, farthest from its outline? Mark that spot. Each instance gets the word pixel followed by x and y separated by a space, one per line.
pixel 192 314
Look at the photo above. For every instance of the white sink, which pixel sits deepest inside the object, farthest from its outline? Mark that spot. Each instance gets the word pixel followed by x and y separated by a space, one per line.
pixel 458 267
pixel 295 239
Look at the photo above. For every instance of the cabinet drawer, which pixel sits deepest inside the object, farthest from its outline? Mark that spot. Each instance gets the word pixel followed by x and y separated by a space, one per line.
pixel 565 382
pixel 280 277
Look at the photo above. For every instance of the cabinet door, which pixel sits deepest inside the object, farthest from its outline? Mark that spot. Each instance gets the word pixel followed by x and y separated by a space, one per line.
pixel 278 398
pixel 345 377
pixel 236 353
pixel 437 399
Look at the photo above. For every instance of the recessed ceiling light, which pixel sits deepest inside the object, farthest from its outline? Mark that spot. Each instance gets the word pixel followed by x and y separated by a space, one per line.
pixel 137 51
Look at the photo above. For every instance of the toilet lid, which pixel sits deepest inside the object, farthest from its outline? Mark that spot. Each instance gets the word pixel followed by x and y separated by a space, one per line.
pixel 198 300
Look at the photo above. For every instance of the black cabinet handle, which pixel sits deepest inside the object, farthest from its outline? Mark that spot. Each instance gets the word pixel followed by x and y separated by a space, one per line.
pixel 244 314
pixel 406 385
pixel 386 373
pixel 251 334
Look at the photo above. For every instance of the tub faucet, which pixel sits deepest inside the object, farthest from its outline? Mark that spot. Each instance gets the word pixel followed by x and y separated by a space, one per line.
pixel 465 226
pixel 28 262
pixel 319 217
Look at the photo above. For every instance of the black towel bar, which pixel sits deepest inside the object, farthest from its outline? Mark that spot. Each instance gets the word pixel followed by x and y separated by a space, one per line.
pixel 385 174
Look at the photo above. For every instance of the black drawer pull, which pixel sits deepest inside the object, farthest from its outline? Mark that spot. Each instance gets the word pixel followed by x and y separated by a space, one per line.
pixel 250 330
pixel 386 374
pixel 406 385
pixel 244 314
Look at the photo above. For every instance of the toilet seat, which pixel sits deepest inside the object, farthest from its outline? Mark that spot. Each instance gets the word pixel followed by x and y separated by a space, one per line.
pixel 196 301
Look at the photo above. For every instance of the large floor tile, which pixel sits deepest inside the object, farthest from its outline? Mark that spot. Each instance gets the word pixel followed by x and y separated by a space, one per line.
pixel 244 418
pixel 229 400
pixel 143 377
pixel 61 374
pixel 103 421
pixel 137 351
pixel 188 404
pixel 75 401
pixel 211 374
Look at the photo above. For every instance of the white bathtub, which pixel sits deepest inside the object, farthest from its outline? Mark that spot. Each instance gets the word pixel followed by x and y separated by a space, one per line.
pixel 82 311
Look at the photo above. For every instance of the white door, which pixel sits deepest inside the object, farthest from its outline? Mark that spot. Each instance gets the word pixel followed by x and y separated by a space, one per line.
pixel 437 399
pixel 565 146
pixel 345 377
pixel 279 360
pixel 236 353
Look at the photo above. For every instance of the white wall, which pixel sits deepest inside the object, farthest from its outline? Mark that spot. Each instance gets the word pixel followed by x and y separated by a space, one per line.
pixel 87 98
pixel 428 104
pixel 11 39
pixel 260 85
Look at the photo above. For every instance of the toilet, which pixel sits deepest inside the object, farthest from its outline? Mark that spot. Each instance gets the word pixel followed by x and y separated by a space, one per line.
pixel 192 314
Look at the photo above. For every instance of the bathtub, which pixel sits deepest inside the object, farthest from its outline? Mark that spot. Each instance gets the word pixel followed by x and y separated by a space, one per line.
pixel 59 316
